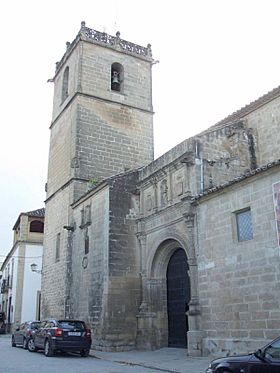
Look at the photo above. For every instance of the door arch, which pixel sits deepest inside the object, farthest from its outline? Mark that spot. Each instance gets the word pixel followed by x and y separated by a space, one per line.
pixel 178 297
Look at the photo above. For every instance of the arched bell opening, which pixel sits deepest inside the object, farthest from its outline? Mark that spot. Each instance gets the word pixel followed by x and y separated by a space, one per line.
pixel 117 76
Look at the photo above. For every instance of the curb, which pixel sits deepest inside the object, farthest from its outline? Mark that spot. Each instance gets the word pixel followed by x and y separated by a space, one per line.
pixel 131 363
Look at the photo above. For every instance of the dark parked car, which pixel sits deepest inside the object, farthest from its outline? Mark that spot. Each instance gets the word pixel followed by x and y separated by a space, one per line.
pixel 2 323
pixel 264 360
pixel 62 335
pixel 22 333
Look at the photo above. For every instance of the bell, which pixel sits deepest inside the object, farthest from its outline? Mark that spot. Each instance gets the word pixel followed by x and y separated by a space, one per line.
pixel 115 78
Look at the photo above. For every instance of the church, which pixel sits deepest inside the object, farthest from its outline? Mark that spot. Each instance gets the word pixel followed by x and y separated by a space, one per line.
pixel 181 251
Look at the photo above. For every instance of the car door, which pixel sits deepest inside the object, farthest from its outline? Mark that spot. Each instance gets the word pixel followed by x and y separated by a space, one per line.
pixel 17 334
pixel 266 360
pixel 20 334
pixel 272 356
pixel 39 334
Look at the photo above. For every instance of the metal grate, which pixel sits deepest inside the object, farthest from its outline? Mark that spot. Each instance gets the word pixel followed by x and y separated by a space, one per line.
pixel 244 225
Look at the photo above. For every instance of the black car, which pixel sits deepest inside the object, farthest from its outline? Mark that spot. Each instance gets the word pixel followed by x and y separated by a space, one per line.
pixel 2 323
pixel 22 333
pixel 61 335
pixel 264 360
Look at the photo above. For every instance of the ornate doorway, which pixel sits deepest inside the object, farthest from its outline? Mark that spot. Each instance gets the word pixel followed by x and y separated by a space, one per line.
pixel 178 297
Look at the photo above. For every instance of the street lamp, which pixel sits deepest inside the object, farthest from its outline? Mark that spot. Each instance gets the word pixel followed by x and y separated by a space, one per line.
pixel 34 268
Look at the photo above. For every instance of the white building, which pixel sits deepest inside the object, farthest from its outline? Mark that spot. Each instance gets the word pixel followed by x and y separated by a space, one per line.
pixel 20 286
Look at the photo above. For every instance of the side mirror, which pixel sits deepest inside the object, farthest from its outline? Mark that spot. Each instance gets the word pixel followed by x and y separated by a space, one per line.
pixel 260 354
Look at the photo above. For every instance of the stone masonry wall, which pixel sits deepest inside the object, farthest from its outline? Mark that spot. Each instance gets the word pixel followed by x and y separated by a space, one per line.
pixel 90 270
pixel 265 123
pixel 61 151
pixel 114 129
pixel 54 276
pixel 238 281
pixel 225 154
pixel 111 138
pixel 95 76
pixel 211 159
pixel 123 292
pixel 73 83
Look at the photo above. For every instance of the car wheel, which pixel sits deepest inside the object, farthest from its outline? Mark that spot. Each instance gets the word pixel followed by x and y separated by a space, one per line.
pixel 31 345
pixel 13 342
pixel 84 353
pixel 48 351
pixel 24 345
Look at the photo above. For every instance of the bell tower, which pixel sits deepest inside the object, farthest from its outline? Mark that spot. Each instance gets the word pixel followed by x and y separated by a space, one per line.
pixel 102 125
pixel 102 110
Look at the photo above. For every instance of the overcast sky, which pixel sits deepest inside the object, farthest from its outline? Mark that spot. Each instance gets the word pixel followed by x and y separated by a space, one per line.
pixel 215 57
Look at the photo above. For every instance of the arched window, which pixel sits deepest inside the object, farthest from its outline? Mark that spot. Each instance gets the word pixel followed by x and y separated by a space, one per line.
pixel 117 77
pixel 65 82
pixel 36 226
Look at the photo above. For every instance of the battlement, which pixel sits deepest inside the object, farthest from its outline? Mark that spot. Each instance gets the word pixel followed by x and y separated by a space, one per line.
pixel 107 40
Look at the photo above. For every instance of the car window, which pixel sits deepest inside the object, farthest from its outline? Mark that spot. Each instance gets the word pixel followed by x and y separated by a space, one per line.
pixel 71 324
pixel 42 324
pixel 49 324
pixel 35 325
pixel 273 351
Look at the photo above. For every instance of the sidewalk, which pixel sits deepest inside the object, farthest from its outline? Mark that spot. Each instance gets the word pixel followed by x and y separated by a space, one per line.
pixel 173 360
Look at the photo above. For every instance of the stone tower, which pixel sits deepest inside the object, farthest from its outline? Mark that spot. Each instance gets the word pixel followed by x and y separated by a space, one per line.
pixel 102 125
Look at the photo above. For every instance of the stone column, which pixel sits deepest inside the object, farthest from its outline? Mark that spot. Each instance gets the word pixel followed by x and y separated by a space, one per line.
pixel 145 338
pixel 188 161
pixel 170 187
pixel 142 246
pixel 142 204
pixel 155 185
pixel 195 334
pixel 68 277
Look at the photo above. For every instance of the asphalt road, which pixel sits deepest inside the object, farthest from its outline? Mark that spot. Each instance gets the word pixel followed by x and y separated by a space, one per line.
pixel 17 360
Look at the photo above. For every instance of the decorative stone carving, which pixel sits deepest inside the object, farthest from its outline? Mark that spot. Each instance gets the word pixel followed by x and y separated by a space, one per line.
pixel 110 41
pixel 88 214
pixel 104 38
pixel 189 219
pixel 189 159
pixel 135 206
pixel 85 217
pixel 149 203
pixel 85 262
pixel 75 162
pixel 179 187
pixel 163 193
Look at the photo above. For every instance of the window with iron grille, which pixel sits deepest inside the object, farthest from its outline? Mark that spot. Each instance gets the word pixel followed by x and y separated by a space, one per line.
pixel 244 225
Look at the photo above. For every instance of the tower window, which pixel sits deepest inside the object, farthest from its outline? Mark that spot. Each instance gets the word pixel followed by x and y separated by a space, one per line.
pixel 65 82
pixel 117 77
pixel 36 226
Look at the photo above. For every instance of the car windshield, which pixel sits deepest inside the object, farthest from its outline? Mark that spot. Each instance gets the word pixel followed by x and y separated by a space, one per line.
pixel 71 324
